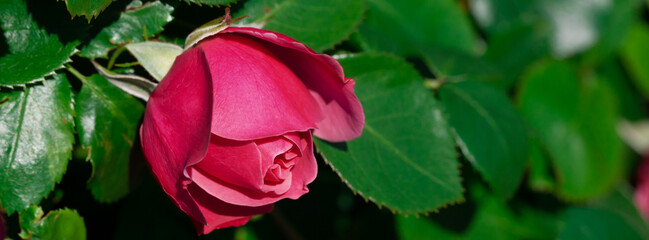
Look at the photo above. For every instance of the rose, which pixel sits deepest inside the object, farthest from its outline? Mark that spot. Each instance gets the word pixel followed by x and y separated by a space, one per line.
pixel 227 132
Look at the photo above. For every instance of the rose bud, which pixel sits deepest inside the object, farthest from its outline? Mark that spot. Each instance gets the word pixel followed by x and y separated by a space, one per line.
pixel 227 132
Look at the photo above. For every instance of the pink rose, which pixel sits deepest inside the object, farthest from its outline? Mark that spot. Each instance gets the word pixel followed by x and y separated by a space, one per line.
pixel 228 131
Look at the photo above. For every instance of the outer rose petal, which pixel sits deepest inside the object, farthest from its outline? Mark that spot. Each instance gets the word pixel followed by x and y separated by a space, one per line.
pixel 255 94
pixel 220 214
pixel 343 114
pixel 175 131
pixel 304 172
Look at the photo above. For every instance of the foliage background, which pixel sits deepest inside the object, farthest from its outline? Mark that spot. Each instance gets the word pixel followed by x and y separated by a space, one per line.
pixel 487 119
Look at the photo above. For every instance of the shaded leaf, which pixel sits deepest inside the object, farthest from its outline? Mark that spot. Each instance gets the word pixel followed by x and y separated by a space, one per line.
pixel 36 138
pixel 635 55
pixel 402 27
pixel 491 134
pixel 107 121
pixel 58 224
pixel 490 219
pixel 405 159
pixel 318 24
pixel 34 54
pixel 577 125
pixel 88 8
pixel 155 57
pixel 135 24
pixel 629 97
pixel 512 52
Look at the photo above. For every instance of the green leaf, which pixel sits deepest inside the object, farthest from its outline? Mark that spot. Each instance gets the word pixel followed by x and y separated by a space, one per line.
pixel 57 224
pixel 405 159
pixel 489 218
pixel 620 202
pixel 541 177
pixel 611 217
pixel 445 63
pixel 577 125
pixel 107 123
pixel 34 54
pixel 155 57
pixel 318 24
pixel 629 97
pixel 635 56
pixel 491 134
pixel 136 24
pixel 36 138
pixel 212 2
pixel 586 223
pixel 402 27
pixel 512 52
pixel 88 8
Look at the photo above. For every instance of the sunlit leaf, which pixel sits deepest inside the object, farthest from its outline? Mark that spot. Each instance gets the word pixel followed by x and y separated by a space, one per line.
pixel 88 8
pixel 402 27
pixel 36 137
pixel 34 53
pixel 58 224
pixel 405 159
pixel 135 24
pixel 318 24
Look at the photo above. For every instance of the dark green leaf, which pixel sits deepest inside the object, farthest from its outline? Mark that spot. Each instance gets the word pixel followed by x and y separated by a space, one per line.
pixel 629 97
pixel 514 51
pixel 405 159
pixel 620 202
pixel 57 224
pixel 635 55
pixel 212 2
pixel 402 27
pixel 587 223
pixel 490 132
pixel 318 24
pixel 88 8
pixel 611 217
pixel 34 54
pixel 577 125
pixel 136 24
pixel 36 137
pixel 490 219
pixel 107 120
pixel 541 177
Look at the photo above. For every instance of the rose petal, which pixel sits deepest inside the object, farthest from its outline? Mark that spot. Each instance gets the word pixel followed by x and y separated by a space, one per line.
pixel 303 173
pixel 236 162
pixel 175 131
pixel 255 94
pixel 220 214
pixel 343 114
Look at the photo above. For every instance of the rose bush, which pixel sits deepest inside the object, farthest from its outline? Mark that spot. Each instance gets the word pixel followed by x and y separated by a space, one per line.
pixel 227 132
